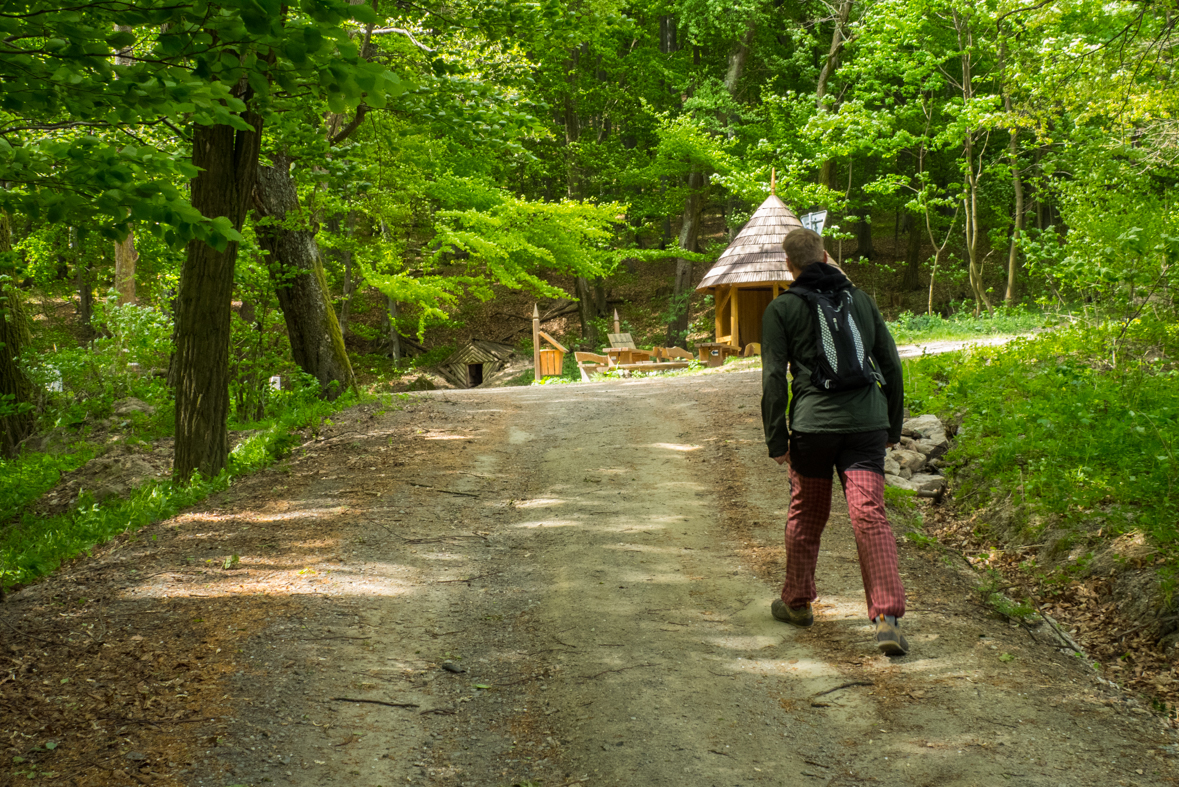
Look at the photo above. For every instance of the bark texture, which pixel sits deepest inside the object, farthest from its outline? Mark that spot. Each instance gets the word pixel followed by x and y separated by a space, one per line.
pixel 14 428
pixel 228 160
pixel 125 259
pixel 677 326
pixel 830 64
pixel 317 344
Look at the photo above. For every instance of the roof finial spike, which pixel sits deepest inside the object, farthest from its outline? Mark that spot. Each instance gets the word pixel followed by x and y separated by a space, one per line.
pixel 773 180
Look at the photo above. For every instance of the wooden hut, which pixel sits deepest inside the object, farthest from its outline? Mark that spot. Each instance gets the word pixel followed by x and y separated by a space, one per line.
pixel 474 362
pixel 750 273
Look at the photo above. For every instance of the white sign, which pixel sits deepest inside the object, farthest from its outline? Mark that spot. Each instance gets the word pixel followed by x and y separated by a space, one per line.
pixel 815 221
pixel 276 383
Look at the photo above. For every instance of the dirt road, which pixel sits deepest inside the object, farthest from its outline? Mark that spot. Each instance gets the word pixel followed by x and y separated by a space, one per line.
pixel 566 585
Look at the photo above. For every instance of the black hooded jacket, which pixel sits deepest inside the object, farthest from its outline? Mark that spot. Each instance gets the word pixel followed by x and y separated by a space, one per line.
pixel 788 344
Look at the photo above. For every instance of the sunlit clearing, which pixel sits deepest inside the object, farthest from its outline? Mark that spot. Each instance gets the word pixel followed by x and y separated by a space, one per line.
pixel 673 446
pixel 749 642
pixel 539 502
pixel 808 667
pixel 549 523
pixel 381 579
pixel 673 550
pixel 251 517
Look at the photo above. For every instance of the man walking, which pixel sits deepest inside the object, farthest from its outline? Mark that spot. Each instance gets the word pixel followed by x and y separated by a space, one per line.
pixel 815 431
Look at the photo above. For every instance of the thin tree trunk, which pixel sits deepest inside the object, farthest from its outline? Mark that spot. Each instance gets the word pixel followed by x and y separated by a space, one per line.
pixel 973 176
pixel 317 345
pixel 830 64
pixel 912 280
pixel 18 424
pixel 394 336
pixel 125 259
pixel 228 160
pixel 82 280
pixel 125 254
pixel 677 326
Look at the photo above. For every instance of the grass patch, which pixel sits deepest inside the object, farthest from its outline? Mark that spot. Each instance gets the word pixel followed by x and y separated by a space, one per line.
pixel 32 546
pixel 909 328
pixel 1077 427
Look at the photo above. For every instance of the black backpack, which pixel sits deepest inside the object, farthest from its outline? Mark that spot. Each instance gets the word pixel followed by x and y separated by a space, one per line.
pixel 843 362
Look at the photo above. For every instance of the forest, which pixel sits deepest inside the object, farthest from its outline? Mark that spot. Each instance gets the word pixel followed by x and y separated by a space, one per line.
pixel 243 216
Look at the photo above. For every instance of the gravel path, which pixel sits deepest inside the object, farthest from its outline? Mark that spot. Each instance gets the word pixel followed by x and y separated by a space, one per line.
pixel 570 585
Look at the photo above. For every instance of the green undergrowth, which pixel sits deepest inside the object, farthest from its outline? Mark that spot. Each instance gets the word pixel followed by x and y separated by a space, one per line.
pixel 1071 432
pixel 33 545
pixel 909 328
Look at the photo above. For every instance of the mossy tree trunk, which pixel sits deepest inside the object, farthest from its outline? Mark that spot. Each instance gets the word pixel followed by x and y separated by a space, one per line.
pixel 228 160
pixel 317 344
pixel 16 392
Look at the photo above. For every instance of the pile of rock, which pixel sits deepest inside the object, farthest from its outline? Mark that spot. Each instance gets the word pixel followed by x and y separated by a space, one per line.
pixel 915 462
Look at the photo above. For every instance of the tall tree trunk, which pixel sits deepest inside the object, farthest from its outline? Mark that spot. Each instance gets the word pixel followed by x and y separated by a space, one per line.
pixel 912 280
pixel 1016 176
pixel 228 160
pixel 829 65
pixel 16 392
pixel 317 344
pixel 83 281
pixel 394 336
pixel 677 326
pixel 973 176
pixel 125 254
pixel 125 259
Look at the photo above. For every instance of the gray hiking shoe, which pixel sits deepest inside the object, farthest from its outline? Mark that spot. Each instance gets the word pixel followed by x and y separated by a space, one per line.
pixel 889 638
pixel 801 617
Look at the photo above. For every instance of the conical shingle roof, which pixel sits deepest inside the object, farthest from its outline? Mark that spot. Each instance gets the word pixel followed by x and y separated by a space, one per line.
pixel 756 253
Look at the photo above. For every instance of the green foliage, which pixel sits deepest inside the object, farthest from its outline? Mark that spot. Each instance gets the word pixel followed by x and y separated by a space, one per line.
pixel 1076 427
pixel 909 328
pixel 32 546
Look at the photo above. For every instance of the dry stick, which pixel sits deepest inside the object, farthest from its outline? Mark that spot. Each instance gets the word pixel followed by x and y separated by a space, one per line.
pixel 620 669
pixel 844 686
pixel 1060 634
pixel 378 702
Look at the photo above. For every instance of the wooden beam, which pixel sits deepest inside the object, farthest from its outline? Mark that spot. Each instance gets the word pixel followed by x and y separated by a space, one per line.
pixel 720 301
pixel 735 336
pixel 552 341
pixel 535 343
pixel 617 329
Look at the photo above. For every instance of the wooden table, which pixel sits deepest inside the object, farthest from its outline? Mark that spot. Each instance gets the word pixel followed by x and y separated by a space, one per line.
pixel 714 353
pixel 626 355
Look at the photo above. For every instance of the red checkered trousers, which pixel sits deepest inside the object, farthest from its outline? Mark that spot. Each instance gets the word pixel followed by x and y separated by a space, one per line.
pixel 810 505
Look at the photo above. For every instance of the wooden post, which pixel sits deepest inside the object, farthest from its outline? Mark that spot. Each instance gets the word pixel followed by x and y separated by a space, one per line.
pixel 734 339
pixel 718 305
pixel 773 180
pixel 776 292
pixel 535 342
pixel 617 326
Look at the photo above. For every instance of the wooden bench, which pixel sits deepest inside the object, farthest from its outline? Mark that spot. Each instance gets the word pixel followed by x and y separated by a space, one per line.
pixel 591 362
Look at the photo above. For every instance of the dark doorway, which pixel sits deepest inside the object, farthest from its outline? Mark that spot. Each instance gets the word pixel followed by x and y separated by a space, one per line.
pixel 474 374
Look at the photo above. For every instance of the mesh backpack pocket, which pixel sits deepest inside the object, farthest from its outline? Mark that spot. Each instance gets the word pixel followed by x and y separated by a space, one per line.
pixel 843 362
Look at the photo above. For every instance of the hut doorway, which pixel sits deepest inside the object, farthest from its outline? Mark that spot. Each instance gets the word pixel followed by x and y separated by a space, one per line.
pixel 475 363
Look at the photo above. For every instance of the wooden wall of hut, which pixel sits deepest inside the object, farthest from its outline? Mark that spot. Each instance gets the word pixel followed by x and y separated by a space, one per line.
pixel 739 311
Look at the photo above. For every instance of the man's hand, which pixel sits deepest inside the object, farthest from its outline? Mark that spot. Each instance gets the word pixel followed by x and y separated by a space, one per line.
pixel 784 459
pixel 890 445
